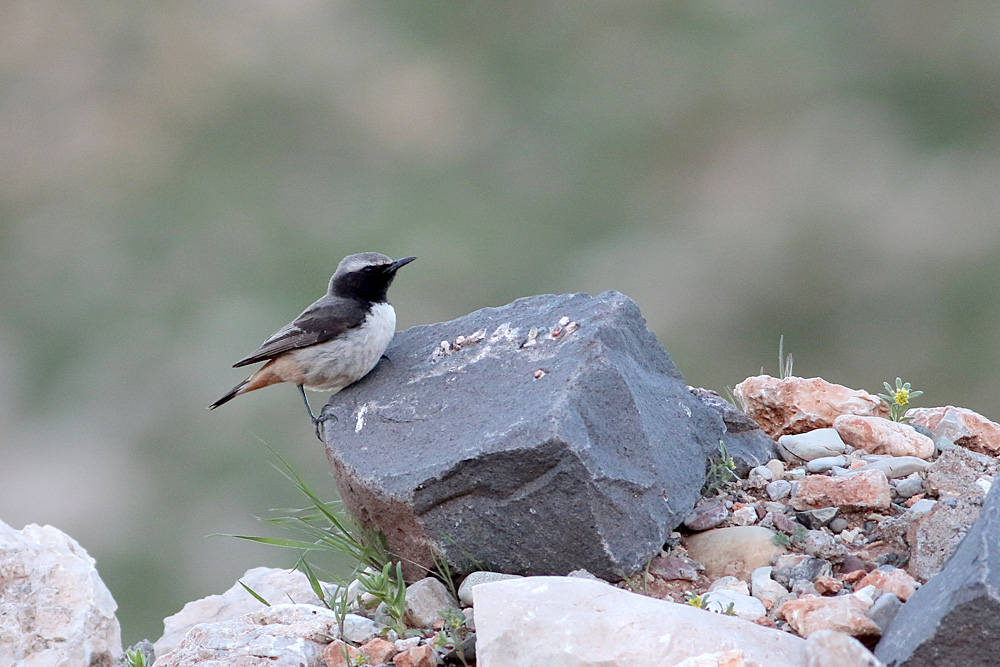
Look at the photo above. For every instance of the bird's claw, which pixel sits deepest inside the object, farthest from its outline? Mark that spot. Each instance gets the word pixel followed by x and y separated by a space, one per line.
pixel 324 416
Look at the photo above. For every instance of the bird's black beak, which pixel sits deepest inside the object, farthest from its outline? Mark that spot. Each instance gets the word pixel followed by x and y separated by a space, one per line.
pixel 400 263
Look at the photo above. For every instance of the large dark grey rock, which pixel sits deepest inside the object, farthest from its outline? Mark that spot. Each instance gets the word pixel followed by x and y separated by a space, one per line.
pixel 745 441
pixel 954 619
pixel 522 444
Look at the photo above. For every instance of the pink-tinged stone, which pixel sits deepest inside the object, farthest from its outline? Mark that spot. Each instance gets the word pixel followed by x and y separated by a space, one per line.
pixel 896 581
pixel 378 651
pixel 866 489
pixel 877 435
pixel 339 653
pixel 796 405
pixel 843 613
pixel 421 656
pixel 707 514
pixel 828 585
pixel 963 427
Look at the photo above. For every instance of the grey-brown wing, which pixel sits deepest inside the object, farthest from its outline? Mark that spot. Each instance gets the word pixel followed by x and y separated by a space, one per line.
pixel 324 320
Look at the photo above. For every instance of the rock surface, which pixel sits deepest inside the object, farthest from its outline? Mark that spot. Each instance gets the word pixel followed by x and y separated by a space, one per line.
pixel 861 490
pixel 426 600
pixel 960 425
pixel 551 434
pixel 274 585
pixel 796 405
pixel 877 435
pixel 735 551
pixel 954 619
pixel 598 625
pixel 54 608
pixel 285 635
pixel 829 648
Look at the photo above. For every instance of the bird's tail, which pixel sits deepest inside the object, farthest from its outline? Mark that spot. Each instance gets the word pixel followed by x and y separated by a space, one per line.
pixel 233 393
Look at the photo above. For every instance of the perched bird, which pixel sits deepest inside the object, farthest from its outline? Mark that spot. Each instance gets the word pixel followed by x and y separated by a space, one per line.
pixel 337 340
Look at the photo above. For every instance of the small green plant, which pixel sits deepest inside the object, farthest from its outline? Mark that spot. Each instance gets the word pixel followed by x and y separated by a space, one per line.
pixel 721 473
pixel 136 658
pixel 453 633
pixel 899 399
pixel 798 536
pixel 697 601
pixel 389 588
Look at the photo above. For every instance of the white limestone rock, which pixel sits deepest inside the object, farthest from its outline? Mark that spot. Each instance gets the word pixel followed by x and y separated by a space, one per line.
pixel 518 622
pixel 54 608
pixel 274 585
pixel 282 635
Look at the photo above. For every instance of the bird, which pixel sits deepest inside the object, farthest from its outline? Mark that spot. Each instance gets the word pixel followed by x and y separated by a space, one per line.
pixel 334 342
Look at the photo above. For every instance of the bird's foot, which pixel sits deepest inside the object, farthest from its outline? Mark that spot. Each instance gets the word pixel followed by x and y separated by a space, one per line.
pixel 324 416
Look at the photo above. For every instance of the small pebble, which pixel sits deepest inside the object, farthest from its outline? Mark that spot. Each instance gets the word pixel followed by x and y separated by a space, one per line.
pixel 778 489
pixel 911 486
pixel 825 463
pixel 838 525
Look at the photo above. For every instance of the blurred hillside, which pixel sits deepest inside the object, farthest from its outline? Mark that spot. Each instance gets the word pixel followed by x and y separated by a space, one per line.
pixel 180 179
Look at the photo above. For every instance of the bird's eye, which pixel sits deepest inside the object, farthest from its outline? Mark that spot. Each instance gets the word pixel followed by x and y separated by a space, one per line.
pixel 368 269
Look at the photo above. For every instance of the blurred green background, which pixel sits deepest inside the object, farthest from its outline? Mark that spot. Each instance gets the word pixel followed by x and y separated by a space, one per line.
pixel 179 179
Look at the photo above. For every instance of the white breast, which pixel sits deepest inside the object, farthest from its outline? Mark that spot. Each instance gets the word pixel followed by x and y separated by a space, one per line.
pixel 333 365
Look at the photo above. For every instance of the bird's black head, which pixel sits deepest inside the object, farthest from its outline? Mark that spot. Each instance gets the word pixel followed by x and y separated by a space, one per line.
pixel 365 276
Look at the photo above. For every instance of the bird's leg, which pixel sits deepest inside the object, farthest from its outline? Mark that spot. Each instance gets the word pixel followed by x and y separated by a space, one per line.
pixel 317 421
pixel 302 390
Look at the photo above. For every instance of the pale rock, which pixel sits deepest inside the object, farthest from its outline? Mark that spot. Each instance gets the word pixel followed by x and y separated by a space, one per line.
pixel 825 464
pixel 776 467
pixel 820 443
pixel 744 516
pixel 922 506
pixel 743 606
pixel 766 589
pixel 877 435
pixel 962 426
pixel 736 551
pixel 403 645
pixel 599 625
pixel 844 613
pixel 985 483
pixel 861 490
pixel 778 489
pixel 892 580
pixel 272 584
pixel 731 658
pixel 829 648
pixel 465 591
pixel 282 635
pixel 730 584
pixel 796 405
pixel 895 467
pixel 762 473
pixel 954 473
pixel 425 600
pixel 54 608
